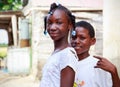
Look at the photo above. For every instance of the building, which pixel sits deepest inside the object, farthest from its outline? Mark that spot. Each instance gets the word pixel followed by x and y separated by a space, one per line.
pixel 93 11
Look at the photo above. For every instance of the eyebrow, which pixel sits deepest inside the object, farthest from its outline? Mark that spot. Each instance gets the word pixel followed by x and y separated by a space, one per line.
pixel 56 19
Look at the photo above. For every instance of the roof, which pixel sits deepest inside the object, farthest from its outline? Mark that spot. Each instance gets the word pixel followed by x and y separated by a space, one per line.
pixel 5 18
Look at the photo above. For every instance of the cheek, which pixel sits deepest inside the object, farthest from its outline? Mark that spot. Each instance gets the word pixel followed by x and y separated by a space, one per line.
pixel 48 28
pixel 64 27
pixel 85 42
pixel 87 46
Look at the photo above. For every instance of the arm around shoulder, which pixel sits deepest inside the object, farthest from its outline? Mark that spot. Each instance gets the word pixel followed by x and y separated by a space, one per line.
pixel 106 65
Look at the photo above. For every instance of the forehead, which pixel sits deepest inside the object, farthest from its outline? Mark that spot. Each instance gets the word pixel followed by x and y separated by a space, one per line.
pixel 58 14
pixel 81 30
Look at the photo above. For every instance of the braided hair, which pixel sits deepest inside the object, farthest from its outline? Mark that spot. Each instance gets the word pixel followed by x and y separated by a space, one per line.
pixel 55 6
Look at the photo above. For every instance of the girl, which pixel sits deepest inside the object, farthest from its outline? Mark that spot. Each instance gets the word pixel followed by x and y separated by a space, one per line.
pixel 87 75
pixel 59 70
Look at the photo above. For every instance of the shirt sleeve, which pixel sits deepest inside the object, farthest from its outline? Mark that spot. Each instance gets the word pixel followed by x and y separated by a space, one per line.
pixel 68 58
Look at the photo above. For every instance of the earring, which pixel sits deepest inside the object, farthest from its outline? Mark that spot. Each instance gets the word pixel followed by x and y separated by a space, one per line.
pixel 73 32
pixel 50 12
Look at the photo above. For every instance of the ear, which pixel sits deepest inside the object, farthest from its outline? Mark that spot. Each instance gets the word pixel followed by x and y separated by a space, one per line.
pixel 93 41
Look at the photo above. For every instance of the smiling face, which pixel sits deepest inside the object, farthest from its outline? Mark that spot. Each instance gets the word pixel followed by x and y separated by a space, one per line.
pixel 82 42
pixel 58 25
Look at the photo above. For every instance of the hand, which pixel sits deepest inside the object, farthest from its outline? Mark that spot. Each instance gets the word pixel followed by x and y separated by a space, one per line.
pixel 104 64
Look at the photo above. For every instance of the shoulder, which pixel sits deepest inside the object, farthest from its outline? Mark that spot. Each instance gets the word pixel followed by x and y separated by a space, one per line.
pixel 69 54
pixel 68 58
pixel 94 59
pixel 72 52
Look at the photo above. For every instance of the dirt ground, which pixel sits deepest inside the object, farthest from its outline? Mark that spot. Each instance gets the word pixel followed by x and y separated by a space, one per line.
pixel 7 80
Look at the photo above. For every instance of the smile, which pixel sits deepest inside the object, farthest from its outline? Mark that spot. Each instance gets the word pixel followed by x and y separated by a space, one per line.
pixel 78 47
pixel 53 34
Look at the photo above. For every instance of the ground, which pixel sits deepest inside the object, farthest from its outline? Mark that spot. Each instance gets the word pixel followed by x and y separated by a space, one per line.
pixel 8 80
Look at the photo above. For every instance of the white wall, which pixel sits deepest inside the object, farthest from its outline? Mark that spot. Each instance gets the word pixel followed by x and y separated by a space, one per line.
pixel 111 23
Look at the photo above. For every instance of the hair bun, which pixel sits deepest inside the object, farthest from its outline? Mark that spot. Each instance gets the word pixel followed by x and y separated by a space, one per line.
pixel 53 6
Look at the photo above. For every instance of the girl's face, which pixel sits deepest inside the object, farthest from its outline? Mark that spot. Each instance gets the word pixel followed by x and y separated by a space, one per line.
pixel 58 25
pixel 82 41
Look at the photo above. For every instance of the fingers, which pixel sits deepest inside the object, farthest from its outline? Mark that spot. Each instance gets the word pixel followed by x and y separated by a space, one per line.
pixel 104 64
pixel 98 65
pixel 100 62
pixel 99 57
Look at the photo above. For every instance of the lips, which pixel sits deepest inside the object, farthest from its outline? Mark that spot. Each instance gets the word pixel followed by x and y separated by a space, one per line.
pixel 53 34
pixel 77 47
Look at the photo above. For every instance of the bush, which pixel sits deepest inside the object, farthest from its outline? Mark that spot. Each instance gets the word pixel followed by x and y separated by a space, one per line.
pixel 3 52
pixel 3 45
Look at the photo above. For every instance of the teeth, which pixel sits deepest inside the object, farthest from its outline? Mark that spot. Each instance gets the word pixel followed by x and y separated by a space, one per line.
pixel 77 47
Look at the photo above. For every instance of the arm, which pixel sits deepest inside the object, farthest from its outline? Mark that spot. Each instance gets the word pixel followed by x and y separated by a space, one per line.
pixel 106 65
pixel 67 77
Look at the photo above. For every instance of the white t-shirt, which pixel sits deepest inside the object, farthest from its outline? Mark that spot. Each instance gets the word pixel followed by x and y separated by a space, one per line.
pixel 56 62
pixel 88 76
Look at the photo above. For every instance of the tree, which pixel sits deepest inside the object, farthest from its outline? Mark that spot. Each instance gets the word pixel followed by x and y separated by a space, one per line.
pixel 10 5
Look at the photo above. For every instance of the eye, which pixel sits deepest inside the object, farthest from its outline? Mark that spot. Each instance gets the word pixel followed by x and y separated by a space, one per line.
pixel 82 38
pixel 59 22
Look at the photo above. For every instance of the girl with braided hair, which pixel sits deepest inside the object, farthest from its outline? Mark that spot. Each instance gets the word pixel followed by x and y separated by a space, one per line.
pixel 59 71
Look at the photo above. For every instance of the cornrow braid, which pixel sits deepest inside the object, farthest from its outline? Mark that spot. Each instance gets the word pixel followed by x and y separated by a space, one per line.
pixel 45 24
pixel 73 32
pixel 54 6
pixel 73 21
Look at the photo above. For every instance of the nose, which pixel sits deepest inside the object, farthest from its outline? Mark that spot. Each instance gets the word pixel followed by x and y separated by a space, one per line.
pixel 77 40
pixel 53 27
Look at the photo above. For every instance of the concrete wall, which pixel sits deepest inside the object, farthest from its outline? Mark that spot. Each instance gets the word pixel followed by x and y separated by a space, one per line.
pixel 111 23
pixel 41 44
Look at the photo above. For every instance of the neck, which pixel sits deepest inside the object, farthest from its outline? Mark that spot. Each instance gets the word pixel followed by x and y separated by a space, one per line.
pixel 60 45
pixel 83 56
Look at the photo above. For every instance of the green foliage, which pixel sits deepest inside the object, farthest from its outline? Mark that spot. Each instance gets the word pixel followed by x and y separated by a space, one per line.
pixel 3 45
pixel 10 5
pixel 3 52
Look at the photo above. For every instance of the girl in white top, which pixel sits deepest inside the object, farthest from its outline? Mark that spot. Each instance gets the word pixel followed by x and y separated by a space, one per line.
pixel 87 75
pixel 59 70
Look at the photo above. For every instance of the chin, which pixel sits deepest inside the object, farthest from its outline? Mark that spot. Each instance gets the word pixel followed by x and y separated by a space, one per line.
pixel 78 51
